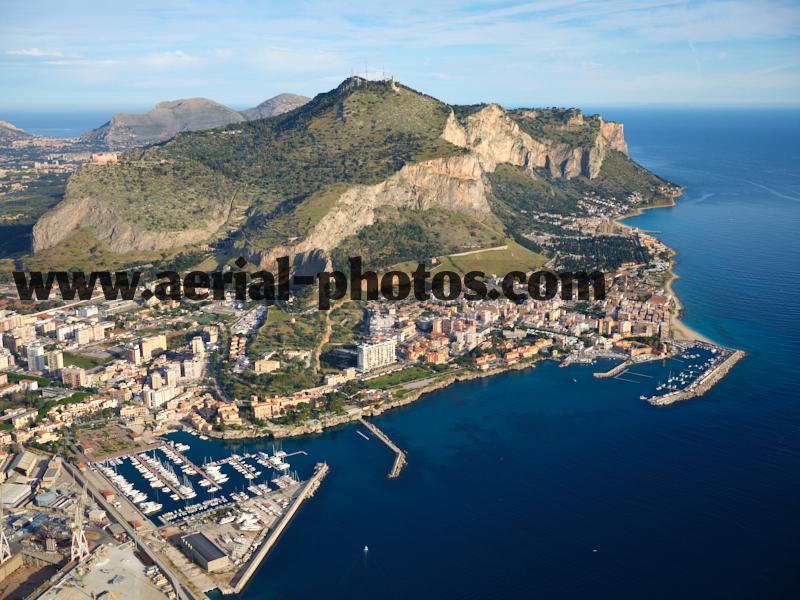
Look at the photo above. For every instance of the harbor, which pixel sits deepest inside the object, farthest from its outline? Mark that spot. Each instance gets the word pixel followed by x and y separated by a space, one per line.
pixel 221 511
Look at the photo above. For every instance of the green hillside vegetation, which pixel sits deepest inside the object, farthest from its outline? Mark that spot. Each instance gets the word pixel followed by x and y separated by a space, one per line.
pixel 286 331
pixel 417 235
pixel 351 135
pixel 553 124
pixel 159 196
pixel 619 176
pixel 516 193
pixel 275 179
pixel 82 251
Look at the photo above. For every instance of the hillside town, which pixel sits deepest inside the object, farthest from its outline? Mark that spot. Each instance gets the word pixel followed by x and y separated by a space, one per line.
pixel 91 387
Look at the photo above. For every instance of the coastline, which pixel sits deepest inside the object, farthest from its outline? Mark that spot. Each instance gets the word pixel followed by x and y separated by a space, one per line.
pixel 679 331
pixel 678 328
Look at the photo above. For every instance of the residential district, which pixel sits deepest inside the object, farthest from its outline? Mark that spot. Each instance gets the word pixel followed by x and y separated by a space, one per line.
pixel 100 496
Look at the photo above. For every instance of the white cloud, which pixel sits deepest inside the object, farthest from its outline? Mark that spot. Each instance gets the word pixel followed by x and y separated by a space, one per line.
pixel 35 52
pixel 175 58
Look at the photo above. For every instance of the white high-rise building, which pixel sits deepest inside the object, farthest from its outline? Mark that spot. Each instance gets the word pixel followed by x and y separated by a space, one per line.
pixel 376 355
pixel 36 357
pixel 173 373
pixel 159 397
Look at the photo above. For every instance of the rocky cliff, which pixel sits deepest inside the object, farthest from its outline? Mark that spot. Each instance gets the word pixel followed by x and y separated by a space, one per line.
pixel 452 184
pixel 79 210
pixel 497 138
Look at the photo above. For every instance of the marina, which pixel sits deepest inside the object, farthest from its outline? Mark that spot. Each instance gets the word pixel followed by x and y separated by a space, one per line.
pixel 695 378
pixel 166 486
pixel 239 501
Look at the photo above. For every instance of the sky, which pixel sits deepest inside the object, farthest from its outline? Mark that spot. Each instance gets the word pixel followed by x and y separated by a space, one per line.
pixel 60 55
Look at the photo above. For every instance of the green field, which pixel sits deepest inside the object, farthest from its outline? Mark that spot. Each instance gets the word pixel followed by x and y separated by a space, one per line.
pixel 84 362
pixel 384 382
pixel 512 258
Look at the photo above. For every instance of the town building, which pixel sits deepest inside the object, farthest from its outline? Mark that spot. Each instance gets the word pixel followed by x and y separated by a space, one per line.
pixel 376 355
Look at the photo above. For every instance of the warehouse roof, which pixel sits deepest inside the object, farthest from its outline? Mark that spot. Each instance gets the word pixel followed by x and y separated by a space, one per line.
pixel 203 546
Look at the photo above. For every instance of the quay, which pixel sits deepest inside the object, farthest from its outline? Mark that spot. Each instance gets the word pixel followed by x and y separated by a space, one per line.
pixel 702 385
pixel 241 579
pixel 183 592
pixel 400 456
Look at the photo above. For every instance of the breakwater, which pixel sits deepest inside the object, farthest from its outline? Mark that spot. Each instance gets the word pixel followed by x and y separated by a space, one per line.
pixel 615 371
pixel 400 456
pixel 241 579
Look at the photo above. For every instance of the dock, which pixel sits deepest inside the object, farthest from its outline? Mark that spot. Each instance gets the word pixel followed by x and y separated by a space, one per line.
pixel 155 473
pixel 615 371
pixel 201 472
pixel 400 456
pixel 241 579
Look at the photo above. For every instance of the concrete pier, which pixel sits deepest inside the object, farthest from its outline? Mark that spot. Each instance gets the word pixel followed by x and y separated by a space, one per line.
pixel 615 371
pixel 201 472
pixel 156 474
pixel 400 456
pixel 241 579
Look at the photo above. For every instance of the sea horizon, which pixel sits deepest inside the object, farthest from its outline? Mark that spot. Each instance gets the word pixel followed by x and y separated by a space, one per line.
pixel 68 123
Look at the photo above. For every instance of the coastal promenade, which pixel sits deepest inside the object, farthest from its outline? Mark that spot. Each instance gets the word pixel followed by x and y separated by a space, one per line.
pixel 400 456
pixel 241 579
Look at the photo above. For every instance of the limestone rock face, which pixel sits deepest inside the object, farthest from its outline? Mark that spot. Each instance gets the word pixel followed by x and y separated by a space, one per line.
pixel 453 184
pixel 494 136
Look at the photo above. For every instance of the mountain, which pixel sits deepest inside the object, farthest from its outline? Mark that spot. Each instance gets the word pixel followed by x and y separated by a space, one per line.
pixel 371 167
pixel 275 106
pixel 163 122
pixel 9 133
pixel 167 119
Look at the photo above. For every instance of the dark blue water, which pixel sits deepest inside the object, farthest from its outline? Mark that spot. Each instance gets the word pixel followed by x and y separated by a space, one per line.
pixel 549 483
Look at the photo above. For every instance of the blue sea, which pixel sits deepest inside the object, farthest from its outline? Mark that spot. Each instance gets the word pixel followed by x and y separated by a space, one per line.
pixel 58 123
pixel 549 483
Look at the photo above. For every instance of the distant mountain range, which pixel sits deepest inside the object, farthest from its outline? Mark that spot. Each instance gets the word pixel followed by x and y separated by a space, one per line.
pixel 278 105
pixel 175 116
pixel 371 168
pixel 9 132
pixel 167 119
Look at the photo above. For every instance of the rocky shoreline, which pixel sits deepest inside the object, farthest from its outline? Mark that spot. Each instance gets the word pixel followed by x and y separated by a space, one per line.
pixel 320 425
